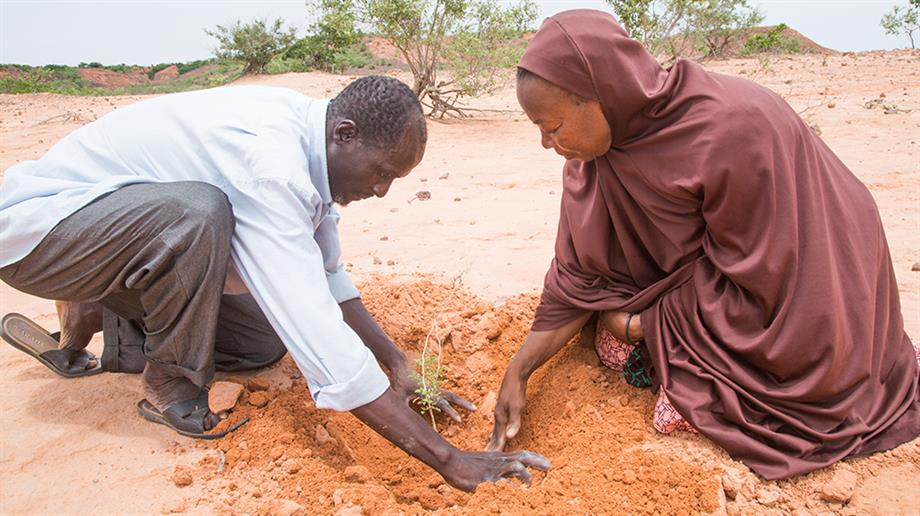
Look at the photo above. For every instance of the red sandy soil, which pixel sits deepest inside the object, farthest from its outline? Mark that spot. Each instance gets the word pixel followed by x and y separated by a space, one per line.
pixel 76 446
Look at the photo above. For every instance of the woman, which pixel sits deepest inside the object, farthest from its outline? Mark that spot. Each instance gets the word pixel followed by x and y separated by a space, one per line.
pixel 704 221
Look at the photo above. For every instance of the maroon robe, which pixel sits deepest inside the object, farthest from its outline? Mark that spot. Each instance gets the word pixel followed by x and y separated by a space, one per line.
pixel 756 258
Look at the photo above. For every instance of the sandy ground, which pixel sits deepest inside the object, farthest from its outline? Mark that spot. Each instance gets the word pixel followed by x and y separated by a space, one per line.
pixel 76 446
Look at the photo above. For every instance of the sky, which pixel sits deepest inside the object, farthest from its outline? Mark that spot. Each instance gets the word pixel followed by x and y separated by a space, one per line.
pixel 145 32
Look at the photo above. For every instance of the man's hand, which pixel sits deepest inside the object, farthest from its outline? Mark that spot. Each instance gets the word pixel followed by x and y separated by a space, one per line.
pixel 390 416
pixel 402 383
pixel 508 410
pixel 469 469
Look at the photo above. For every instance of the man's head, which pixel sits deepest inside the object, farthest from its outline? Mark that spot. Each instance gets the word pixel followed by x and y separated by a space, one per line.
pixel 575 127
pixel 375 132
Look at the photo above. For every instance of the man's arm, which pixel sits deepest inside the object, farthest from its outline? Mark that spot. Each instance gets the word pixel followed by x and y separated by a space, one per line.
pixel 361 321
pixel 391 417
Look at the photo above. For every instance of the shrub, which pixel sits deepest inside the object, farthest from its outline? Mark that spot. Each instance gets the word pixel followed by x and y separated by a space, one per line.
pixel 771 41
pixel 470 39
pixel 672 29
pixel 255 43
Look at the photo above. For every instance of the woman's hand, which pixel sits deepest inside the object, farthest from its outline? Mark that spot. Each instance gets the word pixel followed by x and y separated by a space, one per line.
pixel 508 410
pixel 615 322
pixel 402 383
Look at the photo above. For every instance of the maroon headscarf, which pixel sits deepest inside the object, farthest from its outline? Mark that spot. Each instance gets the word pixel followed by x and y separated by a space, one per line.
pixel 756 258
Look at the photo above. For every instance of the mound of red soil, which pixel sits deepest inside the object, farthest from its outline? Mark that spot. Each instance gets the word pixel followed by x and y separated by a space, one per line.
pixel 111 79
pixel 596 430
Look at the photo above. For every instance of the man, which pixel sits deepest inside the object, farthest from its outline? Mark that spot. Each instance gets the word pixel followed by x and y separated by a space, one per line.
pixel 154 221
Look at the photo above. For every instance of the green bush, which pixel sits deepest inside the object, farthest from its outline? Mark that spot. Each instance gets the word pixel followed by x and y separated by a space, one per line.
pixel 255 43
pixel 771 41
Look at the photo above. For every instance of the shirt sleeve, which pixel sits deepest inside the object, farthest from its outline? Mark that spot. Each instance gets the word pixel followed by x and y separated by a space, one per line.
pixel 327 236
pixel 279 259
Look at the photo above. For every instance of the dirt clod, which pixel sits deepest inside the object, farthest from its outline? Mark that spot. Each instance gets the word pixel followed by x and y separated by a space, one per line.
pixel 223 396
pixel 840 487
pixel 358 474
pixel 259 399
pixel 182 477
pixel 258 383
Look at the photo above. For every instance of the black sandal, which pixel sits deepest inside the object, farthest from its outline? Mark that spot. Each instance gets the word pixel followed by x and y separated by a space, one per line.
pixel 186 417
pixel 25 335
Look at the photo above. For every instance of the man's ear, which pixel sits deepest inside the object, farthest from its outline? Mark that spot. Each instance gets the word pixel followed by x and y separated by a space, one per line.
pixel 345 131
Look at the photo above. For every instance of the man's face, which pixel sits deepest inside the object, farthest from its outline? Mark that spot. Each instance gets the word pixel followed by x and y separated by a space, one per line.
pixel 358 170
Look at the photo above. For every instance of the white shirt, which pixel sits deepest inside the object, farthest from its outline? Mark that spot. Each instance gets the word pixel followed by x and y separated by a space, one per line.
pixel 266 149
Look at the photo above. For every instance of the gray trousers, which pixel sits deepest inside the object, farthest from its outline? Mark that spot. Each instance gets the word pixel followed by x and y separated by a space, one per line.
pixel 155 256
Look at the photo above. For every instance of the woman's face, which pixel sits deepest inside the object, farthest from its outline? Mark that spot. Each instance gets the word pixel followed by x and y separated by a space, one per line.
pixel 575 128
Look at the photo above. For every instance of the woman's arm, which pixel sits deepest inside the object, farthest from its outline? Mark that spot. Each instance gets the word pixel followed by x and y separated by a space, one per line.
pixel 538 347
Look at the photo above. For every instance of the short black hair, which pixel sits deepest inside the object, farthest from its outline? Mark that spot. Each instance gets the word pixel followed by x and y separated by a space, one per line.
pixel 523 73
pixel 382 108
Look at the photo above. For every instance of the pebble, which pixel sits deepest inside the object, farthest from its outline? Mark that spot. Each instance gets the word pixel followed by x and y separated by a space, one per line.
pixel 357 474
pixel 283 508
pixel 223 396
pixel 259 399
pixel 182 477
pixel 731 483
pixel 840 488
pixel 629 477
pixel 291 466
pixel 257 383
pixel 915 267
pixel 768 497
pixel 423 195
pixel 323 437
pixel 351 510
pixel 377 261
pixel 487 405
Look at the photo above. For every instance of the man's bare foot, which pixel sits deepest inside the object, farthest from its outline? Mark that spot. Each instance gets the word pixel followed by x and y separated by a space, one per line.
pixel 79 322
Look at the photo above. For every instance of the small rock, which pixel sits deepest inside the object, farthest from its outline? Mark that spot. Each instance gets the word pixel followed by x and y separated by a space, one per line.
pixel 423 195
pixel 384 238
pixel 391 262
pixel 915 267
pixel 283 508
pixel 487 405
pixel 831 105
pixel 351 510
pixel 629 477
pixel 394 210
pixel 731 483
pixel 377 261
pixel 257 383
pixel 841 486
pixel 881 95
pixel 223 396
pixel 182 477
pixel 276 453
pixel 322 436
pixel 445 175
pixel 768 497
pixel 358 474
pixel 457 199
pixel 291 466
pixel 259 399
